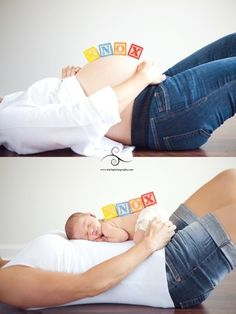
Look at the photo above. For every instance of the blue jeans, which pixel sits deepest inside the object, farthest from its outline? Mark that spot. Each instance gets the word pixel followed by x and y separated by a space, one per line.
pixel 198 95
pixel 198 257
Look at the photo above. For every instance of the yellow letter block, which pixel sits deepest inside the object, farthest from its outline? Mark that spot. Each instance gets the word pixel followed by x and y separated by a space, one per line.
pixel 136 204
pixel 120 48
pixel 109 211
pixel 91 54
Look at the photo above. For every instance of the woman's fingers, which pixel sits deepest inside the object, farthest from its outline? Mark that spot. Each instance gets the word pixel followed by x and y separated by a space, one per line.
pixel 69 71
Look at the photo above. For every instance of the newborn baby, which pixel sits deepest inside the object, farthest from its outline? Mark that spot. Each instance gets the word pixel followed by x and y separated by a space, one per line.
pixel 119 229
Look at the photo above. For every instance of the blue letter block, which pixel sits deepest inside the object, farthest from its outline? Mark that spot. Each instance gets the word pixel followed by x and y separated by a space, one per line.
pixel 105 50
pixel 123 209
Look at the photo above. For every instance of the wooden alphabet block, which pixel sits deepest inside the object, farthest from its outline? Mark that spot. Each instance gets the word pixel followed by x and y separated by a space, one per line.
pixel 120 48
pixel 109 211
pixel 136 204
pixel 91 54
pixel 148 199
pixel 123 208
pixel 135 51
pixel 105 49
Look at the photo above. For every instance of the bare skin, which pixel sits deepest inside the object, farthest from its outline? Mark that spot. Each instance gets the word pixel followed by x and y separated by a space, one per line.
pixel 219 198
pixel 111 71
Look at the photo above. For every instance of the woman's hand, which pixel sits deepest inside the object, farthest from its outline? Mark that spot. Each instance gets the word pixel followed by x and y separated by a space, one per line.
pixel 151 71
pixel 159 233
pixel 69 71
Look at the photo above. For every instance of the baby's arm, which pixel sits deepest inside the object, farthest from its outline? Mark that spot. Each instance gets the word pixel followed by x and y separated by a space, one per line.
pixel 112 233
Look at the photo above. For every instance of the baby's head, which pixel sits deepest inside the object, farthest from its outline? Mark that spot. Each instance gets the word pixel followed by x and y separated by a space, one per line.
pixel 83 226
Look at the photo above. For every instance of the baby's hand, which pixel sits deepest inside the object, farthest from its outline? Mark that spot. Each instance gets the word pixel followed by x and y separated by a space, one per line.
pixel 160 232
pixel 69 71
pixel 151 72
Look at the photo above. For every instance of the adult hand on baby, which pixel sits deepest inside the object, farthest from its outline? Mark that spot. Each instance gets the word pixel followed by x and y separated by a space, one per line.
pixel 69 71
pixel 160 233
pixel 151 72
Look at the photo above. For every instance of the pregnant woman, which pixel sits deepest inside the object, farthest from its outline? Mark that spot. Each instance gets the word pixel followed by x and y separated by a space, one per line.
pixel 179 112
pixel 53 271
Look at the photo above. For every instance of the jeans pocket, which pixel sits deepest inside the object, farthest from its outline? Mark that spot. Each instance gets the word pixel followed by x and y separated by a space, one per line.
pixel 186 141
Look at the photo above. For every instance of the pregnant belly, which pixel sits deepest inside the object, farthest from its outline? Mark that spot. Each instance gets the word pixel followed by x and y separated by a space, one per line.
pixel 110 71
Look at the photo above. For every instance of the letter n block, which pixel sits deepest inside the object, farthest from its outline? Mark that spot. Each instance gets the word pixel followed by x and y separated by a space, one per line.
pixel 123 208
pixel 105 49
pixel 109 211
pixel 135 51
pixel 148 199
pixel 91 54
pixel 136 204
pixel 120 48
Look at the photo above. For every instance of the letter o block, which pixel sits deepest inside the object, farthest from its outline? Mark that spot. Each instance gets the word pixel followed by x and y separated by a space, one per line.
pixel 120 48
pixel 136 204
pixel 109 211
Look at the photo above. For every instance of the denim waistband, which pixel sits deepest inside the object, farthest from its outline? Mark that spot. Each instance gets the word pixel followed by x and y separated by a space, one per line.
pixel 140 117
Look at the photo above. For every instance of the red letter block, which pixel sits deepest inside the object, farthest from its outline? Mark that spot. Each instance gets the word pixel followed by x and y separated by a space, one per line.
pixel 135 51
pixel 148 199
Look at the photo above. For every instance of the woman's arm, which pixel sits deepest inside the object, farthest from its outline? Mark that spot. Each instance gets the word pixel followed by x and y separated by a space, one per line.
pixel 29 287
pixel 147 73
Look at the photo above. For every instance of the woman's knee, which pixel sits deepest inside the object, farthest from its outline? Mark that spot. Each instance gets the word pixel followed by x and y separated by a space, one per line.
pixel 228 177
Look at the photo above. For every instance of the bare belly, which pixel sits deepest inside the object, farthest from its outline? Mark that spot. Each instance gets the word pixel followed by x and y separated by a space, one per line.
pixel 110 71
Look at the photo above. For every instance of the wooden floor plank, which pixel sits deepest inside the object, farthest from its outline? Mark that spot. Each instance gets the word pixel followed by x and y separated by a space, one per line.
pixel 221 301
pixel 221 143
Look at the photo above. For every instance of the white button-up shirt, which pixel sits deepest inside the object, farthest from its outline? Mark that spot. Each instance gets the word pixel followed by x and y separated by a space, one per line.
pixel 56 114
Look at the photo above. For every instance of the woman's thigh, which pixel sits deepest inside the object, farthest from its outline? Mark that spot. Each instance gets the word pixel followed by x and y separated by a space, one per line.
pixel 224 47
pixel 189 106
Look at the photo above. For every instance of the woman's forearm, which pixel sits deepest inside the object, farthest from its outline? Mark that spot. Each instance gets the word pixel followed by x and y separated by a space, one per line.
pixel 30 287
pixel 109 273
pixel 127 91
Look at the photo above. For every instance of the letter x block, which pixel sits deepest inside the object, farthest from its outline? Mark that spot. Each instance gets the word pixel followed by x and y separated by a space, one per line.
pixel 120 48
pixel 135 51
pixel 105 49
pixel 91 54
pixel 109 211
pixel 123 208
pixel 148 199
pixel 136 204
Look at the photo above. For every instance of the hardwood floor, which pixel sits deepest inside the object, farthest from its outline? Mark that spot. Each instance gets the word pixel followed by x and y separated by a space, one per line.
pixel 221 301
pixel 222 143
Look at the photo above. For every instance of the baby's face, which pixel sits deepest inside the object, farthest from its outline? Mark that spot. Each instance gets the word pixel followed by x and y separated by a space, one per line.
pixel 87 228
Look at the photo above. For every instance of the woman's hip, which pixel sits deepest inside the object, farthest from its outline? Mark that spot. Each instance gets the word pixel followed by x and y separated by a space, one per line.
pixel 198 257
pixel 182 112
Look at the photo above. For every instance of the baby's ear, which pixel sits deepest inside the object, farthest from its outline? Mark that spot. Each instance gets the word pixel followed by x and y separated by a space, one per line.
pixel 92 215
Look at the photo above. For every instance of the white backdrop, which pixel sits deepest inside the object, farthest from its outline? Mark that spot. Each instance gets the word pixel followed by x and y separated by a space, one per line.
pixel 38 37
pixel 38 194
